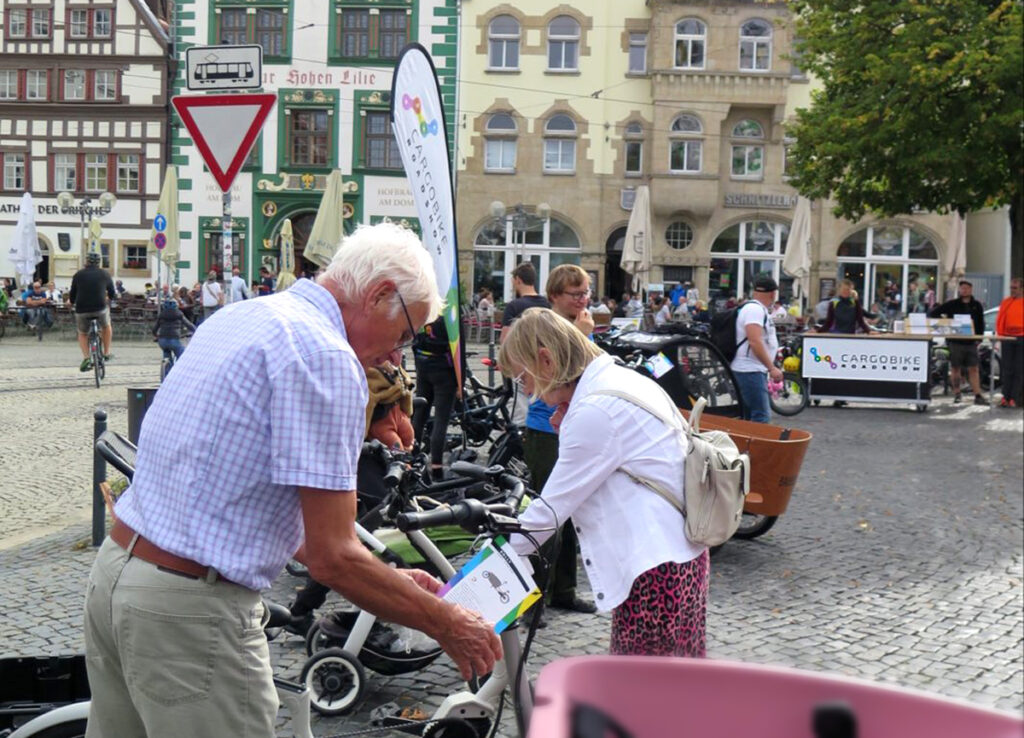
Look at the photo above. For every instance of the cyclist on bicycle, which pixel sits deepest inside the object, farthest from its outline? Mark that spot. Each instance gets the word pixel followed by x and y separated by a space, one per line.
pixel 91 290
pixel 167 328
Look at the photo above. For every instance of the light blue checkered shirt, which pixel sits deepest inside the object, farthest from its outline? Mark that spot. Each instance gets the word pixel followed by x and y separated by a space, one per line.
pixel 268 396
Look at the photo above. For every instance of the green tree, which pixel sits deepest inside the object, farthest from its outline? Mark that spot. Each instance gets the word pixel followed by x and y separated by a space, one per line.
pixel 920 106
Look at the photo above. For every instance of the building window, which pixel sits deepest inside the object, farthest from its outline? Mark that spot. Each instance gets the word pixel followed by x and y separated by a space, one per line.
pixel 638 53
pixel 133 256
pixel 40 22
pixel 894 269
pixel 310 136
pixel 691 40
pixel 560 144
pixel 498 247
pixel 17 22
pixel 679 235
pixel 394 32
pixel 127 172
pixel 503 43
pixel 95 172
pixel 215 253
pixel 8 84
pixel 634 149
pixel 104 85
pixel 74 84
pixel 743 252
pixel 270 31
pixel 748 159
pixel 366 35
pixel 102 22
pixel 563 43
pixel 685 151
pixel 79 23
pixel 14 171
pixel 380 146
pixel 36 84
pixel 500 144
pixel 232 27
pixel 756 46
pixel 64 172
pixel 355 33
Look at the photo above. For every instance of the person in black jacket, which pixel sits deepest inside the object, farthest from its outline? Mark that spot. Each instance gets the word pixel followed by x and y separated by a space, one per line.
pixel 964 354
pixel 91 291
pixel 435 382
pixel 845 313
pixel 167 328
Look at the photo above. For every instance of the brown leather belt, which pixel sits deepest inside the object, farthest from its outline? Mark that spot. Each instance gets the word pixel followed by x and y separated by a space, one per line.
pixel 146 550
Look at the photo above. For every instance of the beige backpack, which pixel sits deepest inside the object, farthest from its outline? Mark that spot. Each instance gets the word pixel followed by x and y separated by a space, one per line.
pixel 716 476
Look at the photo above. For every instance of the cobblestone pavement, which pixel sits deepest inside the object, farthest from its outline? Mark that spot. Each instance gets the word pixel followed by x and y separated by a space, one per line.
pixel 899 559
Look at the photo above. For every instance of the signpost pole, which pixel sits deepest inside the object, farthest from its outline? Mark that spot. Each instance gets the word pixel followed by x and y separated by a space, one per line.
pixel 226 246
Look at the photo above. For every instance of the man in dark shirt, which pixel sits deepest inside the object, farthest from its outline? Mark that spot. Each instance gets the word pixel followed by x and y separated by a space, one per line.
pixel 91 287
pixel 34 298
pixel 524 282
pixel 964 354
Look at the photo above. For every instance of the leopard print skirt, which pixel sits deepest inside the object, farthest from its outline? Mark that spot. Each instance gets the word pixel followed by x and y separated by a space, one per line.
pixel 665 612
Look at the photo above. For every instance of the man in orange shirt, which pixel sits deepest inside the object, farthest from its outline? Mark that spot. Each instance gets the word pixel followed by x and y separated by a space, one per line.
pixel 1010 322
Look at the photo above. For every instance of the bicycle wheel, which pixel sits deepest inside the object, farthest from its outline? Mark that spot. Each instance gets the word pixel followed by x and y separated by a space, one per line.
pixel 792 398
pixel 752 526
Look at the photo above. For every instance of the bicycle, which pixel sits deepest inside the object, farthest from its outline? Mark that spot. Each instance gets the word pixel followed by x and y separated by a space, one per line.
pixel 96 352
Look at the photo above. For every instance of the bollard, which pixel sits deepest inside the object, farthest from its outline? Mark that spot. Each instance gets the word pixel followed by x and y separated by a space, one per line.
pixel 99 475
pixel 139 400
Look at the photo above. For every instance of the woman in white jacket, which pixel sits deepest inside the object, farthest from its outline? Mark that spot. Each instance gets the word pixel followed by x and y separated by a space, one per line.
pixel 640 564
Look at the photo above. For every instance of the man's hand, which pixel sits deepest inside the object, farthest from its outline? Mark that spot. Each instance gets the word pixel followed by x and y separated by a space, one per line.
pixel 584 321
pixel 471 642
pixel 422 579
pixel 775 374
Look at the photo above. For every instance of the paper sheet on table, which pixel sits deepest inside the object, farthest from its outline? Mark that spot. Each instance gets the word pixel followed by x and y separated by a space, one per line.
pixel 495 583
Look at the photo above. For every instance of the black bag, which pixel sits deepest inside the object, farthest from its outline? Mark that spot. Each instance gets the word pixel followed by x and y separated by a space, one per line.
pixel 723 330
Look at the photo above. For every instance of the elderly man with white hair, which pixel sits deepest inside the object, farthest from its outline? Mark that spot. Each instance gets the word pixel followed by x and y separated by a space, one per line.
pixel 248 457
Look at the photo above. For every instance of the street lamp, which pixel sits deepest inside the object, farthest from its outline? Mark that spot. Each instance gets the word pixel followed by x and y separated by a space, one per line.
pixel 86 207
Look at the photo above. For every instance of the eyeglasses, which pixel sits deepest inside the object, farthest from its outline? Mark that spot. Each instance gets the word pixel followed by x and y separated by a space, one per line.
pixel 582 295
pixel 519 380
pixel 405 342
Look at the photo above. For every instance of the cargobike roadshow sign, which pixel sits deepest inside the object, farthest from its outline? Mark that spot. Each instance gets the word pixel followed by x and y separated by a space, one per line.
pixel 873 359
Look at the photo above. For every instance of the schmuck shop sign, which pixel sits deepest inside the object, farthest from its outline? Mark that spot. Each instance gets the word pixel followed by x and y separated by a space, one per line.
pixel 880 360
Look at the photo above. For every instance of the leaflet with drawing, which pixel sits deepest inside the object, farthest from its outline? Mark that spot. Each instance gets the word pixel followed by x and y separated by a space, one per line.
pixel 496 583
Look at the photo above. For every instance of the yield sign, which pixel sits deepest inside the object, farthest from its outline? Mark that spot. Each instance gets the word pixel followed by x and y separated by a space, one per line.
pixel 224 128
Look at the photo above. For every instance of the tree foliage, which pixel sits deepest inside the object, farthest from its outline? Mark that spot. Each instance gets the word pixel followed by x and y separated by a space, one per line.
pixel 920 104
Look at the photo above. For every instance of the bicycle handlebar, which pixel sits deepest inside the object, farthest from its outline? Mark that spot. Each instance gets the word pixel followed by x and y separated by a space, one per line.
pixel 496 475
pixel 467 513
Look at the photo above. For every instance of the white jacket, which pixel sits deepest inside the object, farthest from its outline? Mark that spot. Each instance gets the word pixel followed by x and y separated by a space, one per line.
pixel 624 528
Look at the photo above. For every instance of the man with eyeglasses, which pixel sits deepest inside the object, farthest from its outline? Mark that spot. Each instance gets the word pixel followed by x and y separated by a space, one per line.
pixel 248 457
pixel 568 291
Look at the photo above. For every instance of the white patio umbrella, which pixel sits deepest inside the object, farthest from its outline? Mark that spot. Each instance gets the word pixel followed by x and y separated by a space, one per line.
pixel 24 251
pixel 957 253
pixel 327 231
pixel 286 275
pixel 797 261
pixel 636 251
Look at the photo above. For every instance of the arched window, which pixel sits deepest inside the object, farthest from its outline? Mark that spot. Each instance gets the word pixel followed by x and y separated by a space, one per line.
pixel 894 269
pixel 500 143
pixel 747 158
pixel 503 43
pixel 742 252
pixel 685 147
pixel 756 46
pixel 563 43
pixel 521 235
pixel 634 149
pixel 691 40
pixel 560 144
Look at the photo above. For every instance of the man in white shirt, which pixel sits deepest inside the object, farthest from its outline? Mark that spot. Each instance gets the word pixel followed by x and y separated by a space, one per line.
pixel 239 290
pixel 212 295
pixel 756 346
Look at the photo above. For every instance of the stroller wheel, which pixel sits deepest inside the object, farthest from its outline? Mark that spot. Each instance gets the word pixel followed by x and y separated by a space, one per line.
pixel 335 680
pixel 317 640
pixel 451 727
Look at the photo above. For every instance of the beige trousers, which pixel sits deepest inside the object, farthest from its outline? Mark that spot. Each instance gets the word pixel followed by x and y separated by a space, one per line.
pixel 169 655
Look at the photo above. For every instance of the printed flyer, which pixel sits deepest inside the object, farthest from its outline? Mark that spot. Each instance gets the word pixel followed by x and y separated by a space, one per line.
pixel 495 583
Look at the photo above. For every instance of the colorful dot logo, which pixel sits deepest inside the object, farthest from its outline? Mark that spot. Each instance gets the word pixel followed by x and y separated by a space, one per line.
pixel 414 104
pixel 818 359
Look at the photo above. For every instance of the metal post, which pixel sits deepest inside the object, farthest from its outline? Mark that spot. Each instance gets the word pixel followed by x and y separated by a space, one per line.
pixel 226 247
pixel 490 355
pixel 99 475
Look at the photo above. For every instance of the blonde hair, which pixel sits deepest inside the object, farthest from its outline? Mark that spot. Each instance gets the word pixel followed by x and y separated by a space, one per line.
pixel 537 328
pixel 564 276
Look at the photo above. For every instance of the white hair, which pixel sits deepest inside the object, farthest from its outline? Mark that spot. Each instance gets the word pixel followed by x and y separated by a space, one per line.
pixel 381 252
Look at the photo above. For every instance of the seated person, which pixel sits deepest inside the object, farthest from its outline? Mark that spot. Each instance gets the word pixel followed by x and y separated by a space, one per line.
pixel 387 421
pixel 37 304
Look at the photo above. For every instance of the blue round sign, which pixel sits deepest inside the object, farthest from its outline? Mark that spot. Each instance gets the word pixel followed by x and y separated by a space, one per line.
pixel 160 240
pixel 160 222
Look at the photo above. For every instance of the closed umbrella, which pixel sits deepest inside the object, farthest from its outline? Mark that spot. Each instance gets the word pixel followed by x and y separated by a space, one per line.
pixel 24 251
pixel 95 231
pixel 326 234
pixel 957 252
pixel 636 251
pixel 797 261
pixel 286 277
pixel 167 207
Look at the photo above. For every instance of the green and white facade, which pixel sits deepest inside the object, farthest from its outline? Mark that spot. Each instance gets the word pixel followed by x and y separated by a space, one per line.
pixel 330 65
